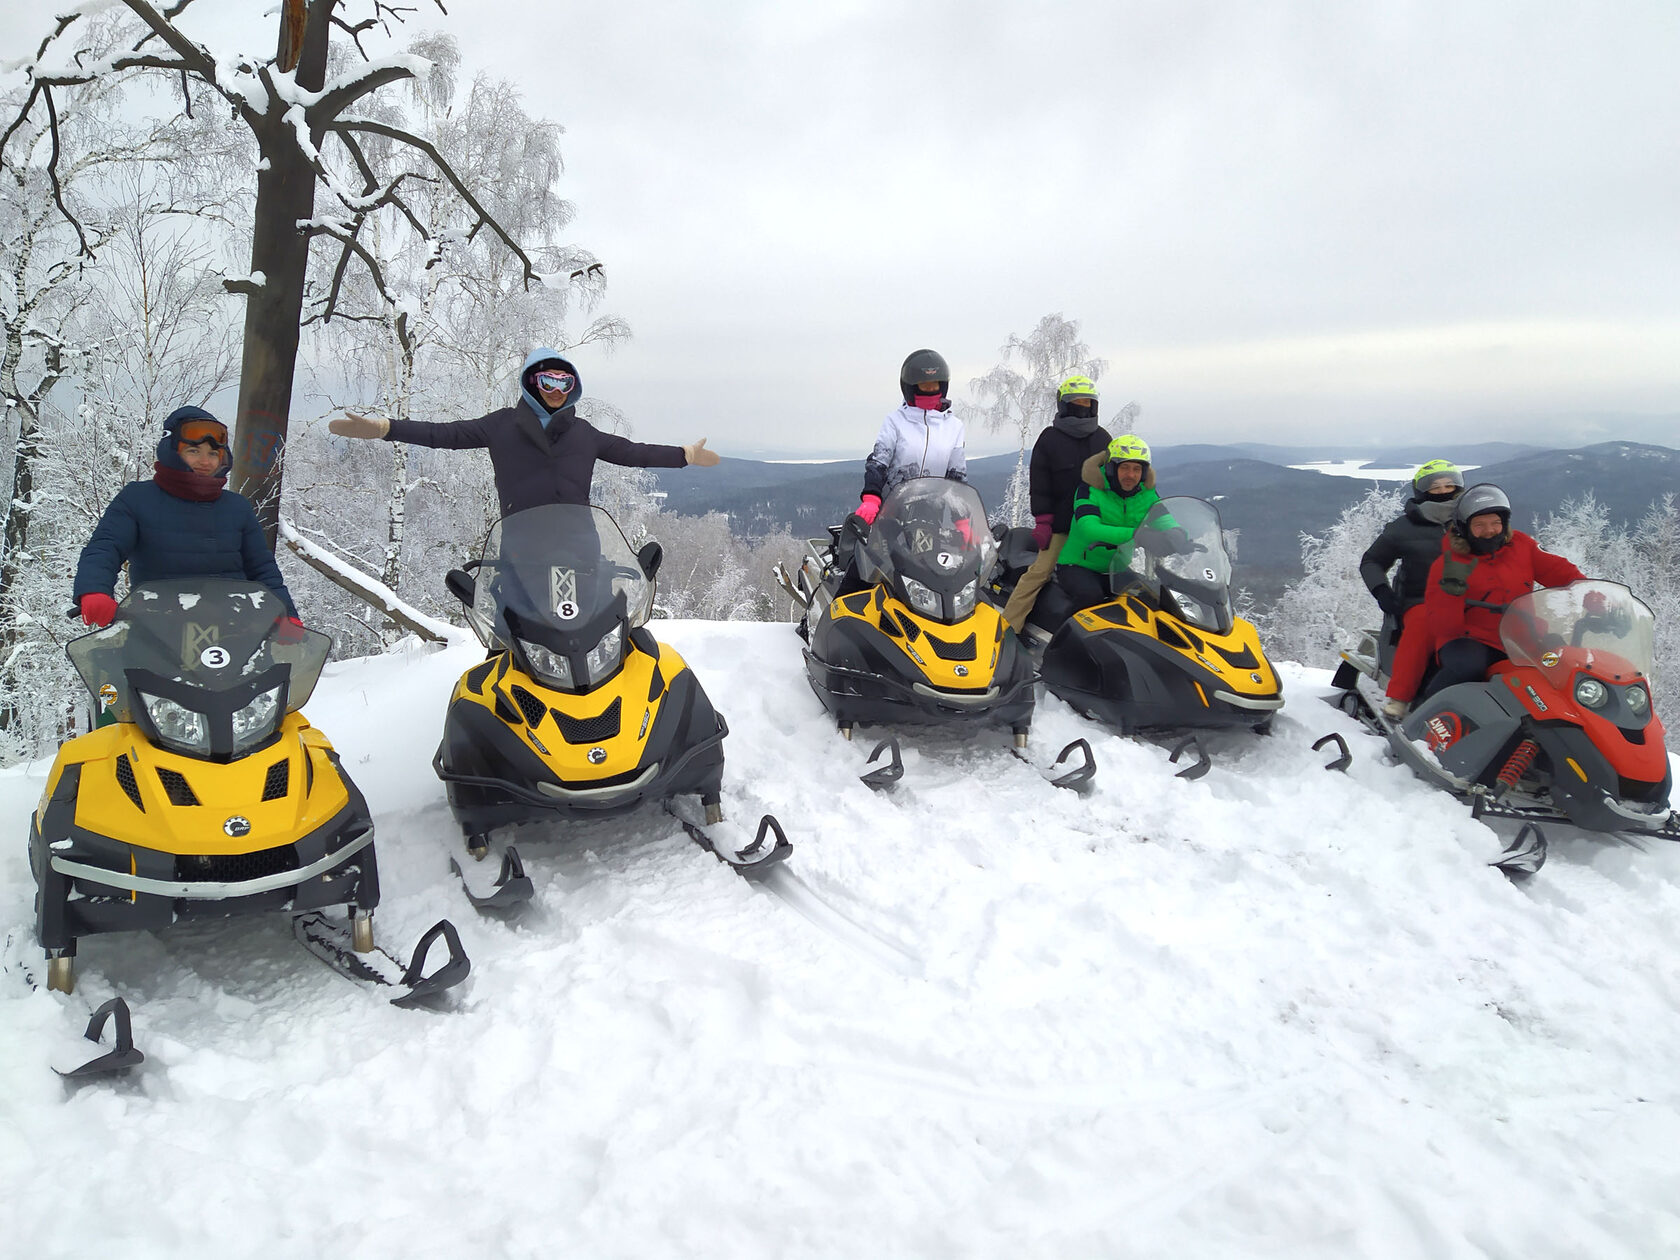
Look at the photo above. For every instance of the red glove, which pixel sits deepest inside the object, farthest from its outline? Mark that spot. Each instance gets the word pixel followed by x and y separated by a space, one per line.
pixel 289 630
pixel 1041 531
pixel 966 530
pixel 1594 604
pixel 97 609
pixel 869 508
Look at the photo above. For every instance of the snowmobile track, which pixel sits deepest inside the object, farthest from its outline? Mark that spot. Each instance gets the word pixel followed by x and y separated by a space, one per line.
pixel 839 926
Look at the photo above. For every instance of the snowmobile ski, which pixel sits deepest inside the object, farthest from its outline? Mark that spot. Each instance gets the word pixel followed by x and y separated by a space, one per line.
pixel 1075 777
pixel 1343 758
pixel 727 842
pixel 1524 855
pixel 122 1056
pixel 333 943
pixel 886 775
pixel 1197 768
pixel 512 887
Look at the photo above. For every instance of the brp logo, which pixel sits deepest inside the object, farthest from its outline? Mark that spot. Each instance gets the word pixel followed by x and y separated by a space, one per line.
pixel 237 826
pixel 961 671
pixel 597 756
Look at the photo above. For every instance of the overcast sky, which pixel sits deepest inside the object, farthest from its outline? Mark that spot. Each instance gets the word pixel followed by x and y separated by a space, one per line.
pixel 1278 221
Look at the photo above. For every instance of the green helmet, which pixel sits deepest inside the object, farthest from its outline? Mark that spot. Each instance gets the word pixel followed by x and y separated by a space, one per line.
pixel 1128 447
pixel 1434 470
pixel 1077 389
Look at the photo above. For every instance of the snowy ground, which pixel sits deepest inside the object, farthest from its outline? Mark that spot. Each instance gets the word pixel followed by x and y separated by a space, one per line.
pixel 1277 1012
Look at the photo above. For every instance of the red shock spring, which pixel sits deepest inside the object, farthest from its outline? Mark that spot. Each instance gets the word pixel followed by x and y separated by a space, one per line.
pixel 1517 764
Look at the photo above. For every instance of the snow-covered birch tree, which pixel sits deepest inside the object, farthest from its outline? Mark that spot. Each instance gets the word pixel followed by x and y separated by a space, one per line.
pixel 303 122
pixel 1022 400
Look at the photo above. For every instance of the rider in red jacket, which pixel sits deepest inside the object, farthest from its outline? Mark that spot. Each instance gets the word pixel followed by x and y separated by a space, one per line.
pixel 1483 566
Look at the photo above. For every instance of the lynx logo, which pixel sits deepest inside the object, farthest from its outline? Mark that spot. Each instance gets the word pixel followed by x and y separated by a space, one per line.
pixel 961 671
pixel 597 756
pixel 214 658
pixel 237 826
pixel 197 641
pixel 921 540
pixel 562 592
pixel 1442 731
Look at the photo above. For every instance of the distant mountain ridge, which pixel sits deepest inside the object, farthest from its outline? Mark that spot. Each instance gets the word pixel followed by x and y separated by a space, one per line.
pixel 1269 503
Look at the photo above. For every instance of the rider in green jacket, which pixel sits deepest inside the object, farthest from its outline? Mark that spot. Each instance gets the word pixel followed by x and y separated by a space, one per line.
pixel 1118 494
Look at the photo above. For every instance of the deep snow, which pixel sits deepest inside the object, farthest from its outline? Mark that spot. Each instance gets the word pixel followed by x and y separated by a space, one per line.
pixel 1277 1012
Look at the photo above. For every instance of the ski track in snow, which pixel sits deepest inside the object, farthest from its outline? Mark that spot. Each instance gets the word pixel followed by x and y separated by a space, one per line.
pixel 1277 1011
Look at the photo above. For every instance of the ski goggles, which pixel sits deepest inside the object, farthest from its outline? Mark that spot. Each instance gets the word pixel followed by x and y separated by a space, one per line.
pixel 212 432
pixel 556 382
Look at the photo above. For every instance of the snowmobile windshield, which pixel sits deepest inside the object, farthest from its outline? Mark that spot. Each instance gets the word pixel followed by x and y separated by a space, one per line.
pixel 203 664
pixel 1179 551
pixel 1594 627
pixel 930 543
pixel 560 585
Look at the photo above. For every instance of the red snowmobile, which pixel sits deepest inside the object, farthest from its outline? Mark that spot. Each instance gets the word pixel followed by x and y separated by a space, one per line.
pixel 1563 731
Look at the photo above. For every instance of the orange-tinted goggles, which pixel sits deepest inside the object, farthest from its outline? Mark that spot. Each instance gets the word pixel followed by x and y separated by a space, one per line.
pixel 213 432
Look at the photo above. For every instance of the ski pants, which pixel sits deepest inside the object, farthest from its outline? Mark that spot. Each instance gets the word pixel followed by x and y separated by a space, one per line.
pixel 1025 594
pixel 1462 661
pixel 1085 587
pixel 1411 657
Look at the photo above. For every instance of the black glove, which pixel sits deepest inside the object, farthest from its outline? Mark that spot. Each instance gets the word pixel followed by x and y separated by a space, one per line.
pixel 1168 542
pixel 1387 600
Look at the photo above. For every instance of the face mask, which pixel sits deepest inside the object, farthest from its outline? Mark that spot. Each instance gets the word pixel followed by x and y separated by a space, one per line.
pixel 1439 513
pixel 927 402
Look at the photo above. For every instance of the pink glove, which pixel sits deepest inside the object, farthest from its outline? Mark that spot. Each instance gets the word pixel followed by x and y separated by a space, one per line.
pixel 1041 531
pixel 289 630
pixel 870 507
pixel 97 609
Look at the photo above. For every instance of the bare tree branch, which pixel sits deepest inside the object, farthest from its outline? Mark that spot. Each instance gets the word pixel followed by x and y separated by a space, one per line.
pixel 485 218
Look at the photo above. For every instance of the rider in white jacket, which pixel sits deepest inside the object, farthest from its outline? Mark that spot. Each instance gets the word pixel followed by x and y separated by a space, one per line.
pixel 921 439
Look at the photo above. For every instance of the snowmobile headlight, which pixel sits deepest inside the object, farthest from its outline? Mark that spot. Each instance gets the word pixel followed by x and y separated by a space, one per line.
pixel 550 667
pixel 183 729
pixel 1592 693
pixel 603 658
pixel 255 722
pixel 1638 699
pixel 963 604
pixel 922 599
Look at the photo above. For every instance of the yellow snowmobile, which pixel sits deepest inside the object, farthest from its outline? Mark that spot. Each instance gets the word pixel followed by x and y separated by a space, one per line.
pixel 921 644
pixel 210 795
pixel 578 711
pixel 1166 653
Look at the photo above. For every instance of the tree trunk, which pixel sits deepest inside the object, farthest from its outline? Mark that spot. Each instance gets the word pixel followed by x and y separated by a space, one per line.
pixel 273 309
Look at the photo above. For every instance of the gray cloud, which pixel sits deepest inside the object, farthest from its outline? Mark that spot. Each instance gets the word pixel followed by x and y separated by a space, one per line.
pixel 1326 217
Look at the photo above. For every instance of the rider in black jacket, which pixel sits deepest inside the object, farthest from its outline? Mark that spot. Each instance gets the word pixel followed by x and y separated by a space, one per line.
pixel 1413 541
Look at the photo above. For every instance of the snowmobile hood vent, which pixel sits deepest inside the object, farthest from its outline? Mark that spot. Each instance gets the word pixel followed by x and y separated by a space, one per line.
pixel 590 730
pixel 965 650
pixel 126 781
pixel 176 786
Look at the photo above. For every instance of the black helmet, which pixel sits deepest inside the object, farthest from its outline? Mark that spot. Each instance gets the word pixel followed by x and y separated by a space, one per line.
pixel 921 368
pixel 1477 501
